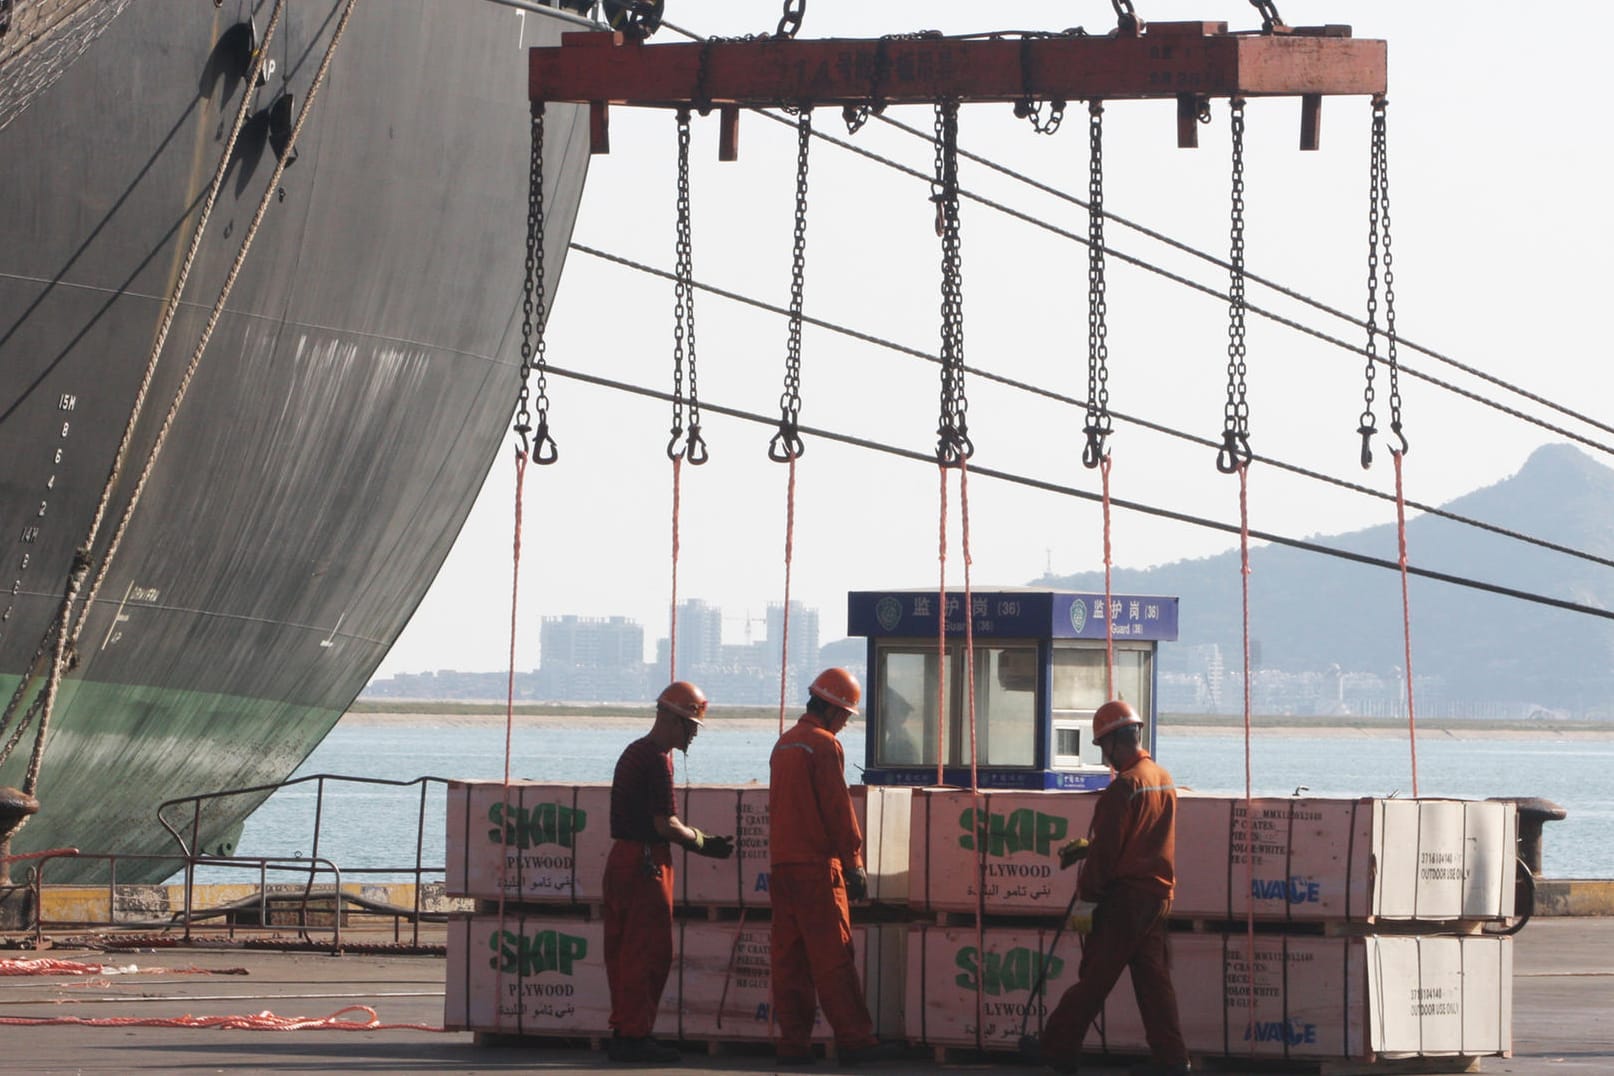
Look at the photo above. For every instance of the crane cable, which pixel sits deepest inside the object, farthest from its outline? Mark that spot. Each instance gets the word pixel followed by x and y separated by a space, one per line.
pixel 786 446
pixel 1234 458
pixel 1379 253
pixel 1058 397
pixel 1099 424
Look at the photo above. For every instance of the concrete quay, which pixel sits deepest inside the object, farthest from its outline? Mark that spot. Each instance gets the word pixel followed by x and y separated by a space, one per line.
pixel 1563 998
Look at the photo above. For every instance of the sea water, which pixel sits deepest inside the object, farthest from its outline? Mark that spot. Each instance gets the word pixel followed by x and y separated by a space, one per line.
pixel 375 827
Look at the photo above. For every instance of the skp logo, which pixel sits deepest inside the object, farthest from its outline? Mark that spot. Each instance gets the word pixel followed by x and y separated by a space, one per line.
pixel 999 973
pixel 542 823
pixel 1020 830
pixel 532 954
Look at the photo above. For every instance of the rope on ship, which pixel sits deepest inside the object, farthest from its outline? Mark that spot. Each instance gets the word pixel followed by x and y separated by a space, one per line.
pixel 262 1021
pixel 64 631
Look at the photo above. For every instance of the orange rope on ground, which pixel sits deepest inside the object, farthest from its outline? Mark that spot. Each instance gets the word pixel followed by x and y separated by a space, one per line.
pixel 784 641
pixel 1406 615
pixel 263 1021
pixel 51 966
pixel 1249 799
pixel 941 635
pixel 1109 619
pixel 672 634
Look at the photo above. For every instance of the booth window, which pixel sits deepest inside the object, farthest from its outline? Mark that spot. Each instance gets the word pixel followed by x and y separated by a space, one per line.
pixel 907 707
pixel 1078 686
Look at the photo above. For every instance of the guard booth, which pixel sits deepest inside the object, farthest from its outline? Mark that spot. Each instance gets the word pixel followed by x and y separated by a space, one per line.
pixel 1039 675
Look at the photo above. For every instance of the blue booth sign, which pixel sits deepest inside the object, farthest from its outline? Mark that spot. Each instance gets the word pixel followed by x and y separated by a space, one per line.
pixel 1012 614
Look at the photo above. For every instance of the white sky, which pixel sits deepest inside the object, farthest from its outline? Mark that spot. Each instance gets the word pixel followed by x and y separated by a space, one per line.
pixel 1501 228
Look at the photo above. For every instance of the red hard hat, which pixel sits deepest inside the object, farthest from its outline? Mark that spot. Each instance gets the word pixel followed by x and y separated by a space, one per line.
pixel 838 688
pixel 1113 715
pixel 683 699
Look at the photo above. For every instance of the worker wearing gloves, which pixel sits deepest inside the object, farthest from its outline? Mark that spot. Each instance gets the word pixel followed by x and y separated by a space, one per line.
pixel 1129 873
pixel 817 868
pixel 639 873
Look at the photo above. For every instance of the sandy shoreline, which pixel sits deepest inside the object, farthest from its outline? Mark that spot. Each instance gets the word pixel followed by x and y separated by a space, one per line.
pixel 717 725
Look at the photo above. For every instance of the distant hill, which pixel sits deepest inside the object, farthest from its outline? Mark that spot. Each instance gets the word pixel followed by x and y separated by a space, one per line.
pixel 1311 613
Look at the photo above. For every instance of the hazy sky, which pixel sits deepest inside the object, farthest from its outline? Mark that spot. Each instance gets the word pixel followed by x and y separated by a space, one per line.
pixel 1501 229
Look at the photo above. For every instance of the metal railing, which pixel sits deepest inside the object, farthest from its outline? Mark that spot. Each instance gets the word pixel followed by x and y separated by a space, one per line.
pixel 321 879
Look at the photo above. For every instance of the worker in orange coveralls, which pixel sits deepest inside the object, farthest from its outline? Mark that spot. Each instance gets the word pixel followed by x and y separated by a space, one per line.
pixel 817 866
pixel 1130 873
pixel 639 874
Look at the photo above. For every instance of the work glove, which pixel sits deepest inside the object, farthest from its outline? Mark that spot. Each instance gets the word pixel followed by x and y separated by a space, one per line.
pixel 712 847
pixel 1073 852
pixel 857 884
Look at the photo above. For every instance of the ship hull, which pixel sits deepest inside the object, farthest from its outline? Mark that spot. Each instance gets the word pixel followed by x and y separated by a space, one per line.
pixel 344 413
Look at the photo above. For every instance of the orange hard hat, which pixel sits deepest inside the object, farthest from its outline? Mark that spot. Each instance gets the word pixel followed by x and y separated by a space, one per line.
pixel 1113 715
pixel 838 688
pixel 683 699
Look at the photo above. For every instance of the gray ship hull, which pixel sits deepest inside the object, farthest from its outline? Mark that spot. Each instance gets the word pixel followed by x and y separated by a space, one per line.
pixel 345 412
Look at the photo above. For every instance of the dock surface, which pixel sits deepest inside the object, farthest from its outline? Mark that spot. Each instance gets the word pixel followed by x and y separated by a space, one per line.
pixel 1563 998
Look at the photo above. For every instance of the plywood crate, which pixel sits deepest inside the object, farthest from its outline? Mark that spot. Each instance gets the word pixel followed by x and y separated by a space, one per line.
pixel 545 976
pixel 1344 859
pixel 726 982
pixel 546 843
pixel 1019 870
pixel 742 881
pixel 535 975
pixel 1315 998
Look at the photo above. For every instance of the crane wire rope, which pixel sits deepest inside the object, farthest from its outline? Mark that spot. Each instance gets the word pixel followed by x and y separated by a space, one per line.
pixel 1144 423
pixel 786 446
pixel 1213 260
pixel 1234 458
pixel 1264 312
pixel 1143 508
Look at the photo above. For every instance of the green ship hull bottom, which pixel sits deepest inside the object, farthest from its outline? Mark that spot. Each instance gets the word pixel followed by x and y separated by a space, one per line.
pixel 116 752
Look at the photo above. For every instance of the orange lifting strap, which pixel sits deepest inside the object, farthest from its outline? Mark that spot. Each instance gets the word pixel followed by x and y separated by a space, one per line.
pixel 1189 62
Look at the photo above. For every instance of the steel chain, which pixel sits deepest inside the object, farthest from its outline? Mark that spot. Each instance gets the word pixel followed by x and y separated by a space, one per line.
pixel 787 444
pixel 953 444
pixel 1098 426
pixel 1368 423
pixel 1270 19
pixel 694 448
pixel 1381 151
pixel 535 311
pixel 1235 452
pixel 1027 107
pixel 790 21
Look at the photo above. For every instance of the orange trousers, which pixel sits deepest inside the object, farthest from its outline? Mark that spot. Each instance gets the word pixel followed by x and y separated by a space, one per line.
pixel 1129 931
pixel 812 958
pixel 638 934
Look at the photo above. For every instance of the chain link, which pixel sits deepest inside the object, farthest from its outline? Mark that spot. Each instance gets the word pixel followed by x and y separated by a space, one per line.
pixel 535 311
pixel 790 21
pixel 1381 151
pixel 1027 107
pixel 694 448
pixel 1378 255
pixel 1235 452
pixel 953 445
pixel 787 444
pixel 1270 19
pixel 1098 426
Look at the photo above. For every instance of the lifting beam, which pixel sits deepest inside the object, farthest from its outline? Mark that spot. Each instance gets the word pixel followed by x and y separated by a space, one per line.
pixel 1190 62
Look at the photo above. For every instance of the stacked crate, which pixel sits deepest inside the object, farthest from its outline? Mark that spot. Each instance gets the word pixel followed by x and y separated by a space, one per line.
pixel 540 969
pixel 1367 942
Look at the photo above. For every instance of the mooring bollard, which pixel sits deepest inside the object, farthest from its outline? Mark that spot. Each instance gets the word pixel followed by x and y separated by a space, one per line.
pixel 1533 814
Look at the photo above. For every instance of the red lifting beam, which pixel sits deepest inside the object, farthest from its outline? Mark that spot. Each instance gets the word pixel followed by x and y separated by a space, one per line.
pixel 1186 61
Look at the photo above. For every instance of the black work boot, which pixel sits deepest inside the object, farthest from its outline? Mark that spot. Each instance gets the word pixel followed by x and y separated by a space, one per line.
pixel 640 1051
